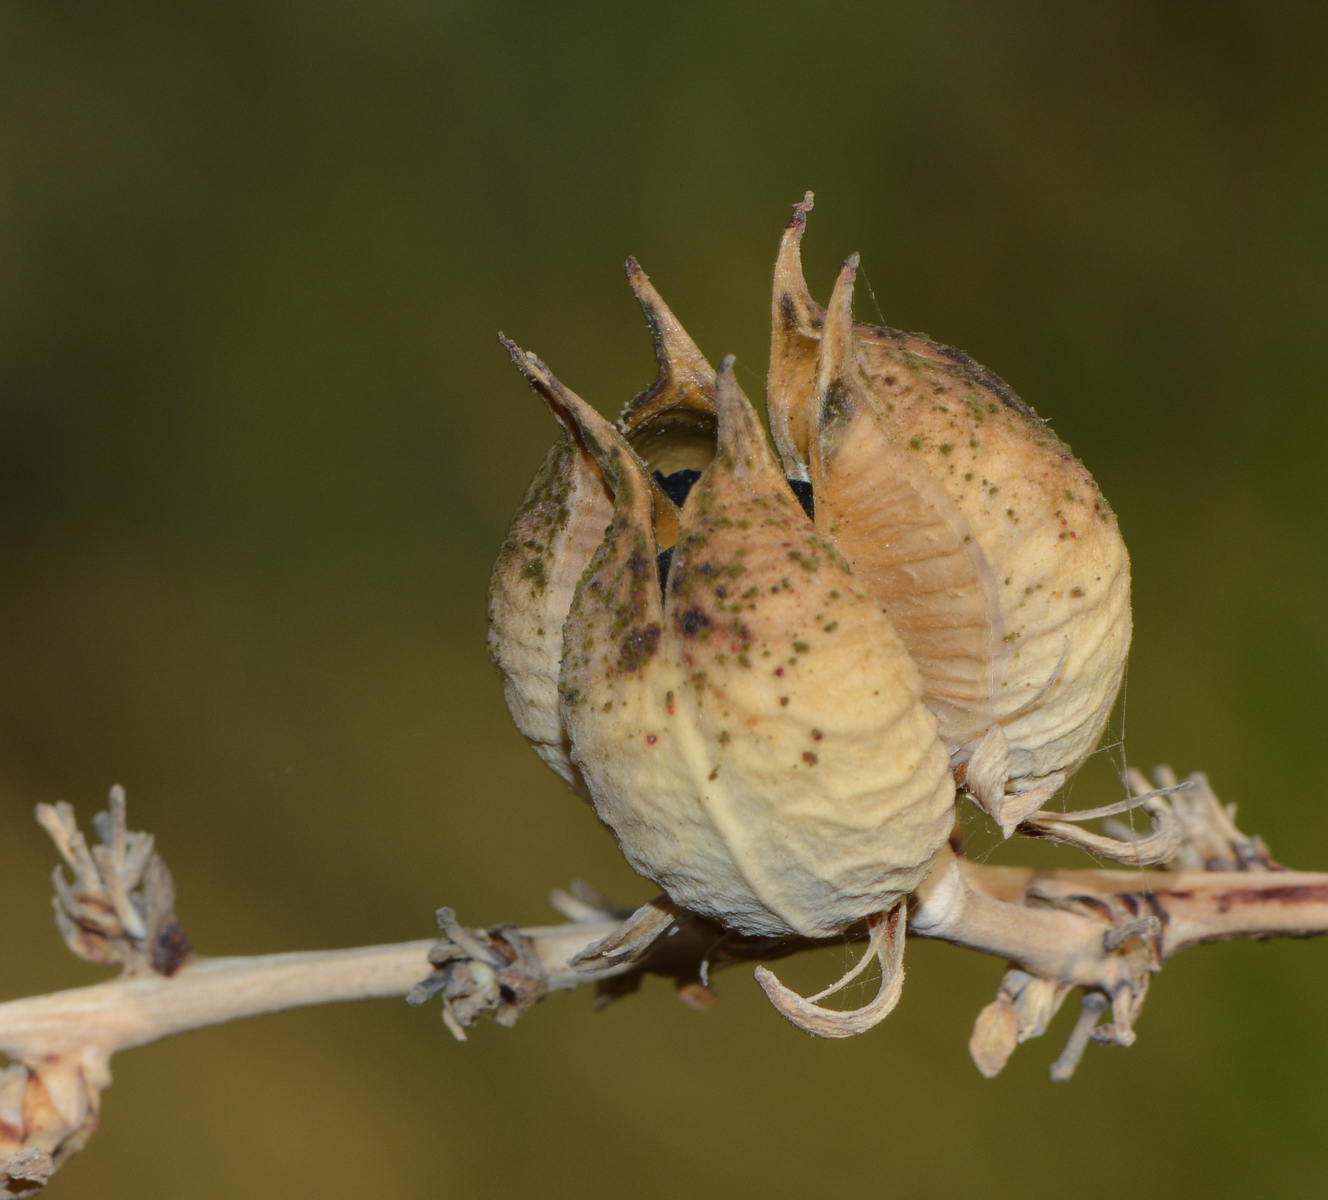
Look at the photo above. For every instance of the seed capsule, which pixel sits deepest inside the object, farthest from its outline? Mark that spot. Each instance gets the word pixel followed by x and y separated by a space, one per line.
pixel 986 542
pixel 564 515
pixel 767 679
pixel 758 743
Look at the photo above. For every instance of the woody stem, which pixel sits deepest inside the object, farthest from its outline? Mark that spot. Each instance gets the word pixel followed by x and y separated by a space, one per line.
pixel 1009 912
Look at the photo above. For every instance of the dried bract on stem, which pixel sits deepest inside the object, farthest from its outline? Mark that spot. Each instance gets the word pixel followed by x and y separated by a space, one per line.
pixel 119 909
pixel 120 906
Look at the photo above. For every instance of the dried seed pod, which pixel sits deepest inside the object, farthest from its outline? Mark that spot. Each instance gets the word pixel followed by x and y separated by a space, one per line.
pixel 563 518
pixel 987 543
pixel 767 679
pixel 758 743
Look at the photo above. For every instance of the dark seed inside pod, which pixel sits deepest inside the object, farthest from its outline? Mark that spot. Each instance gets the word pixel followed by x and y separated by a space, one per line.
pixel 665 560
pixel 802 488
pixel 678 485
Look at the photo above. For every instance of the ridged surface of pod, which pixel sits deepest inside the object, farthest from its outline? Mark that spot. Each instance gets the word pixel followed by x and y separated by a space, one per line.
pixel 757 742
pixel 987 543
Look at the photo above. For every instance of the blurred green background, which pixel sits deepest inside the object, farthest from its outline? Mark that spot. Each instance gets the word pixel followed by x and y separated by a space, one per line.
pixel 259 448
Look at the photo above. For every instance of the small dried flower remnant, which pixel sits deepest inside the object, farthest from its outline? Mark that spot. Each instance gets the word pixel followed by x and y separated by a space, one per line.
pixel 768 674
pixel 119 908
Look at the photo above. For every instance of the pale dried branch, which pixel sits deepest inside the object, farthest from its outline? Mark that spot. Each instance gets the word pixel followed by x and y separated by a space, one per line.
pixel 1104 931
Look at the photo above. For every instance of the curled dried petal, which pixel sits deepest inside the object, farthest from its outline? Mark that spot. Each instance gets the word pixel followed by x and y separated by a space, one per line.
pixel 886 947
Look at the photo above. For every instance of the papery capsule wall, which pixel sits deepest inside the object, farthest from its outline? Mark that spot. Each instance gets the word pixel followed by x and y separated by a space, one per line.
pixel 563 517
pixel 985 540
pixel 757 743
pixel 553 535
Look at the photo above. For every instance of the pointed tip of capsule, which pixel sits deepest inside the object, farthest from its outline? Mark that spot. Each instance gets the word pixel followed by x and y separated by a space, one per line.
pixel 795 329
pixel 537 374
pixel 794 311
pixel 567 407
pixel 800 211
pixel 790 242
pixel 675 351
pixel 640 284
pixel 565 404
pixel 742 446
pixel 572 412
pixel 686 378
pixel 599 437
pixel 729 396
pixel 732 406
pixel 839 312
pixel 839 339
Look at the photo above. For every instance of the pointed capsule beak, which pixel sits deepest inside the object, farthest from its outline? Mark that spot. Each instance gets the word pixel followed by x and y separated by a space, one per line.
pixel 626 475
pixel 795 325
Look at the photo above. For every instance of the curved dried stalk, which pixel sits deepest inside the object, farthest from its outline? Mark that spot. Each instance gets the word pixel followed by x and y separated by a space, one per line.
pixel 886 946
pixel 1121 844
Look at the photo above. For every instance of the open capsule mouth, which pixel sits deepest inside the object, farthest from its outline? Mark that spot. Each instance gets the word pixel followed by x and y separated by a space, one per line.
pixel 676 448
pixel 678 485
pixel 673 427
pixel 672 442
